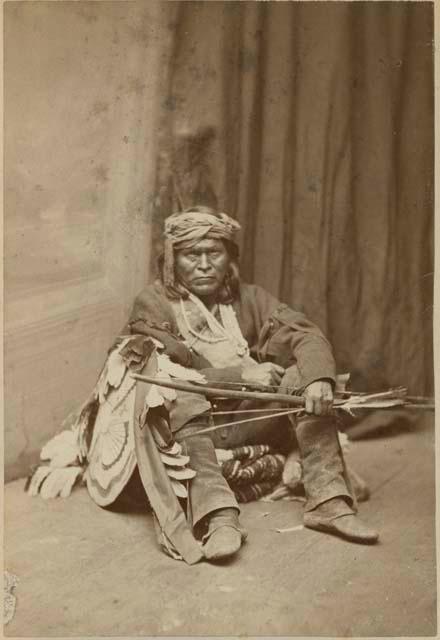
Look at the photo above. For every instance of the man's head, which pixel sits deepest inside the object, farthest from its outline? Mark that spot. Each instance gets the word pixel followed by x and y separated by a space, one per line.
pixel 200 255
pixel 202 268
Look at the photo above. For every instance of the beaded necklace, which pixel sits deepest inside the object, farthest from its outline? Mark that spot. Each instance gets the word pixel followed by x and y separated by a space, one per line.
pixel 227 330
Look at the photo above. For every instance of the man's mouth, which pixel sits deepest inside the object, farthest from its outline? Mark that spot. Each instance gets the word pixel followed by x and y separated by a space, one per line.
pixel 204 280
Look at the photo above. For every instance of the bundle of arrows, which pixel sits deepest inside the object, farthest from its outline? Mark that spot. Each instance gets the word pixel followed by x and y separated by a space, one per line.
pixel 347 401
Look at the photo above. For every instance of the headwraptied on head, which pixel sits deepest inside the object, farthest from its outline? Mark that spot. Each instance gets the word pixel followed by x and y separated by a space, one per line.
pixel 182 230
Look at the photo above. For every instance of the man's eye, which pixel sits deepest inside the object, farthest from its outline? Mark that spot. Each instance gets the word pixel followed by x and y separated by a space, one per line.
pixel 214 254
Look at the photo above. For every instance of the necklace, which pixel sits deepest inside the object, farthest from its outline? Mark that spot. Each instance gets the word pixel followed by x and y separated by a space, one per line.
pixel 195 333
pixel 227 330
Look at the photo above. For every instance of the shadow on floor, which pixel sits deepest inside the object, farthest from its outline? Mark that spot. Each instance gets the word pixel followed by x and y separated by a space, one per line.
pixel 84 571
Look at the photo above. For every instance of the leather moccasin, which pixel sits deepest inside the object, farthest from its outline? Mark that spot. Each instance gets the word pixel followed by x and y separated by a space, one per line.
pixel 222 543
pixel 346 526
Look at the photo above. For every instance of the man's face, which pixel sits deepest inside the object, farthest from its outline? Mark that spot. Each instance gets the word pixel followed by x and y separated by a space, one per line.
pixel 203 267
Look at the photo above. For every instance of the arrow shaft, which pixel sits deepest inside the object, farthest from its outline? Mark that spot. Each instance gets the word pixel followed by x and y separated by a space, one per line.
pixel 206 390
pixel 289 400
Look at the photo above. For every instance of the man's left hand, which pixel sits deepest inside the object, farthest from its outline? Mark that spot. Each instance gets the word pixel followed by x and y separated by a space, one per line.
pixel 319 397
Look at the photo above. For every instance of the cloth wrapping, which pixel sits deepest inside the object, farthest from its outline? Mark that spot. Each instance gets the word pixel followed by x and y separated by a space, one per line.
pixel 253 471
pixel 187 228
pixel 259 471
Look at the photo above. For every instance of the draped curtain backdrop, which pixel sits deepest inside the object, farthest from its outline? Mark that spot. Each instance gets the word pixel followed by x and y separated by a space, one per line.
pixel 312 124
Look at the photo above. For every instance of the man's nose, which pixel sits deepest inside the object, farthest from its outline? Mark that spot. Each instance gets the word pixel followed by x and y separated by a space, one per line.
pixel 204 262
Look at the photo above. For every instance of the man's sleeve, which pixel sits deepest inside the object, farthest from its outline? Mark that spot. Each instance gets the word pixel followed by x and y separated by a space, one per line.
pixel 288 337
pixel 151 316
pixel 221 376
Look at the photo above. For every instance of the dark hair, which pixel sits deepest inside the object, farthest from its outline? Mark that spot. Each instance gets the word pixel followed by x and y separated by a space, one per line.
pixel 230 289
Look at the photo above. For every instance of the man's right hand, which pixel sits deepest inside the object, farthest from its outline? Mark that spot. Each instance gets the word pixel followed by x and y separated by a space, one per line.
pixel 267 374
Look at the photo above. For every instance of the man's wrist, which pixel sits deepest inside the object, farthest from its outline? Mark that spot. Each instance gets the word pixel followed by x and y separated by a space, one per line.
pixel 331 381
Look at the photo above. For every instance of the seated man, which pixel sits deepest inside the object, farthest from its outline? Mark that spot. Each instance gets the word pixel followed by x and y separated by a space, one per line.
pixel 238 334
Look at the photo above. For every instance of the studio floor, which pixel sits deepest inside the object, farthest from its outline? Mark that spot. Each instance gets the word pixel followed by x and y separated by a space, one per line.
pixel 85 572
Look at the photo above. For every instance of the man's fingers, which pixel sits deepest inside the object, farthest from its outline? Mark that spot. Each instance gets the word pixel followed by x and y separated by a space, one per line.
pixel 328 401
pixel 277 373
pixel 326 407
pixel 318 406
pixel 276 378
pixel 278 369
pixel 319 398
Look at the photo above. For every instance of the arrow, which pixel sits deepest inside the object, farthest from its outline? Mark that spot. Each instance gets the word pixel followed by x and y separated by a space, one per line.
pixel 206 390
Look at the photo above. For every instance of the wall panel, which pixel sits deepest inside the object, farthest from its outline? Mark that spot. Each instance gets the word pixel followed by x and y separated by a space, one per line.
pixel 80 91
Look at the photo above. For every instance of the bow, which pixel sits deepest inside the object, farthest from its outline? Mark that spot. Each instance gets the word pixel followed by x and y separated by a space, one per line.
pixel 384 399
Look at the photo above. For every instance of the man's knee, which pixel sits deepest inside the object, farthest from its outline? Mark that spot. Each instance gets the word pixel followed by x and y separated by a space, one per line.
pixel 291 381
